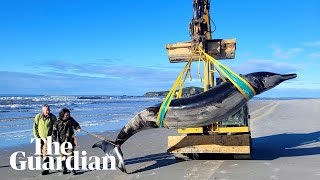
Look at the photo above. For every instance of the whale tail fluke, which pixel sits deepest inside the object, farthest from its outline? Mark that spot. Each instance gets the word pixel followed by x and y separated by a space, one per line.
pixel 112 150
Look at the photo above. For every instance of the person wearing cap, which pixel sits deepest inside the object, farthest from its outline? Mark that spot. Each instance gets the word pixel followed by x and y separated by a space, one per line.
pixel 63 131
pixel 42 128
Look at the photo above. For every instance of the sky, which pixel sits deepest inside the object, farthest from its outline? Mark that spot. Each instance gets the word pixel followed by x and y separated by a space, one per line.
pixel 97 47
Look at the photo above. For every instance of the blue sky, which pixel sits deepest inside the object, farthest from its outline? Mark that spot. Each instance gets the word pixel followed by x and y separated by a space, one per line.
pixel 79 47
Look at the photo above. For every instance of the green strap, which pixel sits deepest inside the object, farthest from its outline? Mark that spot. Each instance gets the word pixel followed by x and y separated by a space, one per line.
pixel 164 110
pixel 244 86
pixel 241 84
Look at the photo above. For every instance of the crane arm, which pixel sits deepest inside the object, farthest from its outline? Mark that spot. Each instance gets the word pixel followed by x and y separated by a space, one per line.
pixel 199 27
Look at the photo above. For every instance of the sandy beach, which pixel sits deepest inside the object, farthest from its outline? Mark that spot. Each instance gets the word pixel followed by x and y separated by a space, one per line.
pixel 286 145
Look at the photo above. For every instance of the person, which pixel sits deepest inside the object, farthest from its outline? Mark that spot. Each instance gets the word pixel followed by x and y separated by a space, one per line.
pixel 42 128
pixel 192 91
pixel 63 132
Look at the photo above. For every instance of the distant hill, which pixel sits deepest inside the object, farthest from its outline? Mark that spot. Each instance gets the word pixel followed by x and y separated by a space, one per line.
pixel 186 92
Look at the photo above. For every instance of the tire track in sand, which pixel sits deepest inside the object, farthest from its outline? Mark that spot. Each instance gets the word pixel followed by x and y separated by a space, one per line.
pixel 207 169
pixel 268 109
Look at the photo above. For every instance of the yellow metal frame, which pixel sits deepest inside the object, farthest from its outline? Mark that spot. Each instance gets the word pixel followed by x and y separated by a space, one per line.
pixel 190 130
pixel 233 129
pixel 199 130
pixel 216 128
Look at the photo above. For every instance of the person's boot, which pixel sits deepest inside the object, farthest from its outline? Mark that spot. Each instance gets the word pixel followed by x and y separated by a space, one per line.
pixel 72 165
pixel 74 172
pixel 64 168
pixel 45 172
pixel 65 171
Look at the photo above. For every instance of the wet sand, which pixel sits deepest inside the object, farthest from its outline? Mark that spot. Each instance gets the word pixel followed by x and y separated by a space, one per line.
pixel 286 145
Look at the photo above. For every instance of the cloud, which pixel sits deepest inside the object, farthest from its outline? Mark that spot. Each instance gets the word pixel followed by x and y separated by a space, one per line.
pixel 61 65
pixel 69 78
pixel 65 78
pixel 264 65
pixel 115 71
pixel 109 60
pixel 301 83
pixel 66 83
pixel 91 78
pixel 285 54
pixel 291 93
pixel 313 43
pixel 314 55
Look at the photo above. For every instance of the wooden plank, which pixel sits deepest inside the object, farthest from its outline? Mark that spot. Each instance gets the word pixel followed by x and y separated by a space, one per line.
pixel 238 144
pixel 212 149
pixel 217 48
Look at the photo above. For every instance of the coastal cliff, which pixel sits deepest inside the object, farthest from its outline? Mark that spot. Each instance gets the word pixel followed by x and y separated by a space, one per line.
pixel 186 92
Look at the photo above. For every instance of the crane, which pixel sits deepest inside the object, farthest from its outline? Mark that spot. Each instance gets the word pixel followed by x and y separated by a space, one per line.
pixel 231 136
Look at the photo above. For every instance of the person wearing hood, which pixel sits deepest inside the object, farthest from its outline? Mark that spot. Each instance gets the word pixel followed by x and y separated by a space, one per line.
pixel 63 131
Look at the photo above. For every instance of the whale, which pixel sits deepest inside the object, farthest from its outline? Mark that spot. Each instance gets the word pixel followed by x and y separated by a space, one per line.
pixel 203 109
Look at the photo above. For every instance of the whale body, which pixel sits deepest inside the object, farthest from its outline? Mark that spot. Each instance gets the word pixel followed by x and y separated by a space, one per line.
pixel 199 110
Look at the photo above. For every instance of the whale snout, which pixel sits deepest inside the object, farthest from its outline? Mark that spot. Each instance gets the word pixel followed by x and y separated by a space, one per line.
pixel 288 76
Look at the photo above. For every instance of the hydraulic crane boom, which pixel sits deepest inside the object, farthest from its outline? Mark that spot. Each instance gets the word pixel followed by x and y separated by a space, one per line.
pixel 200 30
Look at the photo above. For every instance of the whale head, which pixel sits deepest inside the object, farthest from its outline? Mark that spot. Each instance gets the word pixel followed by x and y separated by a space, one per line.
pixel 263 81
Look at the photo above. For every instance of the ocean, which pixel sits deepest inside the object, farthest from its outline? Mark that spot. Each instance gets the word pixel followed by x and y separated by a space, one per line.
pixel 94 113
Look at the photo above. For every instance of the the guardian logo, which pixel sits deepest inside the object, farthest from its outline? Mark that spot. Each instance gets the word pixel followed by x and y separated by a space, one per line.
pixel 55 163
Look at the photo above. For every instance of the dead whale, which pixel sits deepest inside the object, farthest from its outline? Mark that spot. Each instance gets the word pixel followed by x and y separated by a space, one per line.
pixel 203 109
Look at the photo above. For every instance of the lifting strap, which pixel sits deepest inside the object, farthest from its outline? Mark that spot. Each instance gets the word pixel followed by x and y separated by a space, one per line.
pixel 241 84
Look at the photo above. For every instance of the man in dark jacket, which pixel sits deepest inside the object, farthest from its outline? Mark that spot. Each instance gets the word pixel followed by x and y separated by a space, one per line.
pixel 63 132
